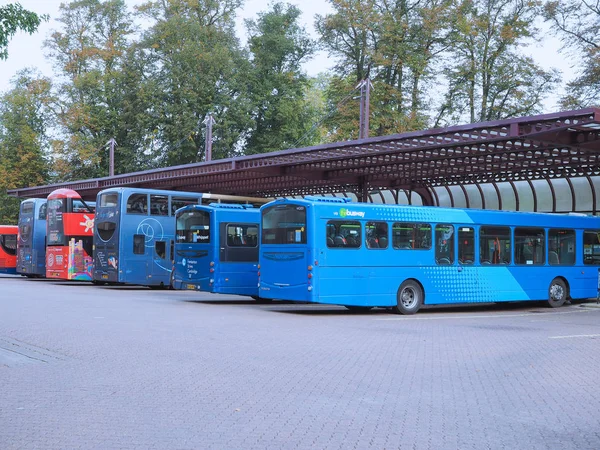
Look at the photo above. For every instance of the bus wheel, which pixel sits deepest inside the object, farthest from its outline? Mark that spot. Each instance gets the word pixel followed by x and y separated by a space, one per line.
pixel 557 293
pixel 409 298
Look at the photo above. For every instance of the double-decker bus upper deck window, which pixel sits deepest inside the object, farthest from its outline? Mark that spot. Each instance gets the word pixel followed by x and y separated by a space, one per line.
pixel 137 204
pixel 530 246
pixel 180 202
pixel 344 234
pixel 444 244
pixel 376 234
pixel 408 236
pixel 109 200
pixel 8 242
pixel 494 245
pixel 242 235
pixel 159 205
pixel 284 224
pixel 43 211
pixel 466 245
pixel 27 207
pixel 193 227
pixel 106 230
pixel 591 247
pixel 79 206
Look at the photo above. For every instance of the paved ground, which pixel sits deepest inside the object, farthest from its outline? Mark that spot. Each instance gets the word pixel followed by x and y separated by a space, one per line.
pixel 97 367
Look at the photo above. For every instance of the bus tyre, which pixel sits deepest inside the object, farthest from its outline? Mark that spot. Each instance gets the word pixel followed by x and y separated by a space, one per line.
pixel 409 298
pixel 557 293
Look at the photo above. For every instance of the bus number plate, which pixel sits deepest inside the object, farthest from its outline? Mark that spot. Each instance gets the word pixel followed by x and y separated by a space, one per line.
pixel 105 277
pixel 191 287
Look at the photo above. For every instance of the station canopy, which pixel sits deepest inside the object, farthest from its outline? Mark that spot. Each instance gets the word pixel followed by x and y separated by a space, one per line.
pixel 548 162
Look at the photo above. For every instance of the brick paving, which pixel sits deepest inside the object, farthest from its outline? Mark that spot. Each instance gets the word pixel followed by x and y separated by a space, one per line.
pixel 107 368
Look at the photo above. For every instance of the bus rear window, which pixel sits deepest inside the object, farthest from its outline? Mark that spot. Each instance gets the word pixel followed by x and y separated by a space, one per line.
pixel 284 224
pixel 106 230
pixel 193 227
pixel 109 200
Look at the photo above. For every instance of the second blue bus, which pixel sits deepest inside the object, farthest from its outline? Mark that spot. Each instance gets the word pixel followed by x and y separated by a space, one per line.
pixel 216 249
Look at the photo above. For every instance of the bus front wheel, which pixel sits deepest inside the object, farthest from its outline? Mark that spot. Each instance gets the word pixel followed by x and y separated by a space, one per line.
pixel 409 298
pixel 557 293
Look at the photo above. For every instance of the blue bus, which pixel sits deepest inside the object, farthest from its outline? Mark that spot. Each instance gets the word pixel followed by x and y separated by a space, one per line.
pixel 31 240
pixel 216 249
pixel 333 251
pixel 134 233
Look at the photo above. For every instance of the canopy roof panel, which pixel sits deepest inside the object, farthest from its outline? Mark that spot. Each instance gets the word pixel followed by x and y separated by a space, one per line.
pixel 558 145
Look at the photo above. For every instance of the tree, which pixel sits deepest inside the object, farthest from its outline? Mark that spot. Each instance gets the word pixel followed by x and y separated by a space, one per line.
pixel 196 66
pixel 394 43
pixel 488 77
pixel 577 23
pixel 92 54
pixel 25 117
pixel 13 18
pixel 277 85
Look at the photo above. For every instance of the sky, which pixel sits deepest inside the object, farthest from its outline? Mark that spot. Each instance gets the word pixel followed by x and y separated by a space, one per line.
pixel 27 50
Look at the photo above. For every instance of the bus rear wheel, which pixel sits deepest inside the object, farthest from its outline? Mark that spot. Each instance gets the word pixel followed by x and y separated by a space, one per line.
pixel 557 293
pixel 409 298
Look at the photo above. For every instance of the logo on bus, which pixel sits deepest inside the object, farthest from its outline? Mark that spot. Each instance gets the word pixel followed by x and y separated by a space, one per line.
pixel 345 212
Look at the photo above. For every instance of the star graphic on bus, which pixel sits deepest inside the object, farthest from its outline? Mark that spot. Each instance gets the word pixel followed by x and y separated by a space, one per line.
pixel 88 223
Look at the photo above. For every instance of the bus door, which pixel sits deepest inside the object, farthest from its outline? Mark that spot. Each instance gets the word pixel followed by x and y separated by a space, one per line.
pixel 161 264
pixel 468 274
pixel 237 270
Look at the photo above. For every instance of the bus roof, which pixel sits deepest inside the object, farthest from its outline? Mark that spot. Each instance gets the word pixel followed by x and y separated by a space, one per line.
pixel 341 208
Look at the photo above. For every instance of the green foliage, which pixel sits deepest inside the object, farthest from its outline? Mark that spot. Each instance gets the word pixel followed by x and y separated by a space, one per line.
pixel 488 76
pixel 196 67
pixel 13 18
pixel 24 119
pixel 93 53
pixel 276 84
pixel 578 26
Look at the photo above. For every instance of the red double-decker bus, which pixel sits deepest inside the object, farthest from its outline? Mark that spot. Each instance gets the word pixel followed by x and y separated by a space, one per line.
pixel 8 248
pixel 70 234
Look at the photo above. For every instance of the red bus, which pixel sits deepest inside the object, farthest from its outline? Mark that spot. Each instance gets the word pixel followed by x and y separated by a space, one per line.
pixel 8 248
pixel 70 234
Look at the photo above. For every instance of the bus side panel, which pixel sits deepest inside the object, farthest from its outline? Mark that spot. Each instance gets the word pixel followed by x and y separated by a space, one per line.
pixel 237 278
pixel 57 258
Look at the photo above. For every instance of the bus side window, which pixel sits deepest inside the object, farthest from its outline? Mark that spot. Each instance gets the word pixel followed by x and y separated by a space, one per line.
pixel 161 249
pixel 137 204
pixel 444 244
